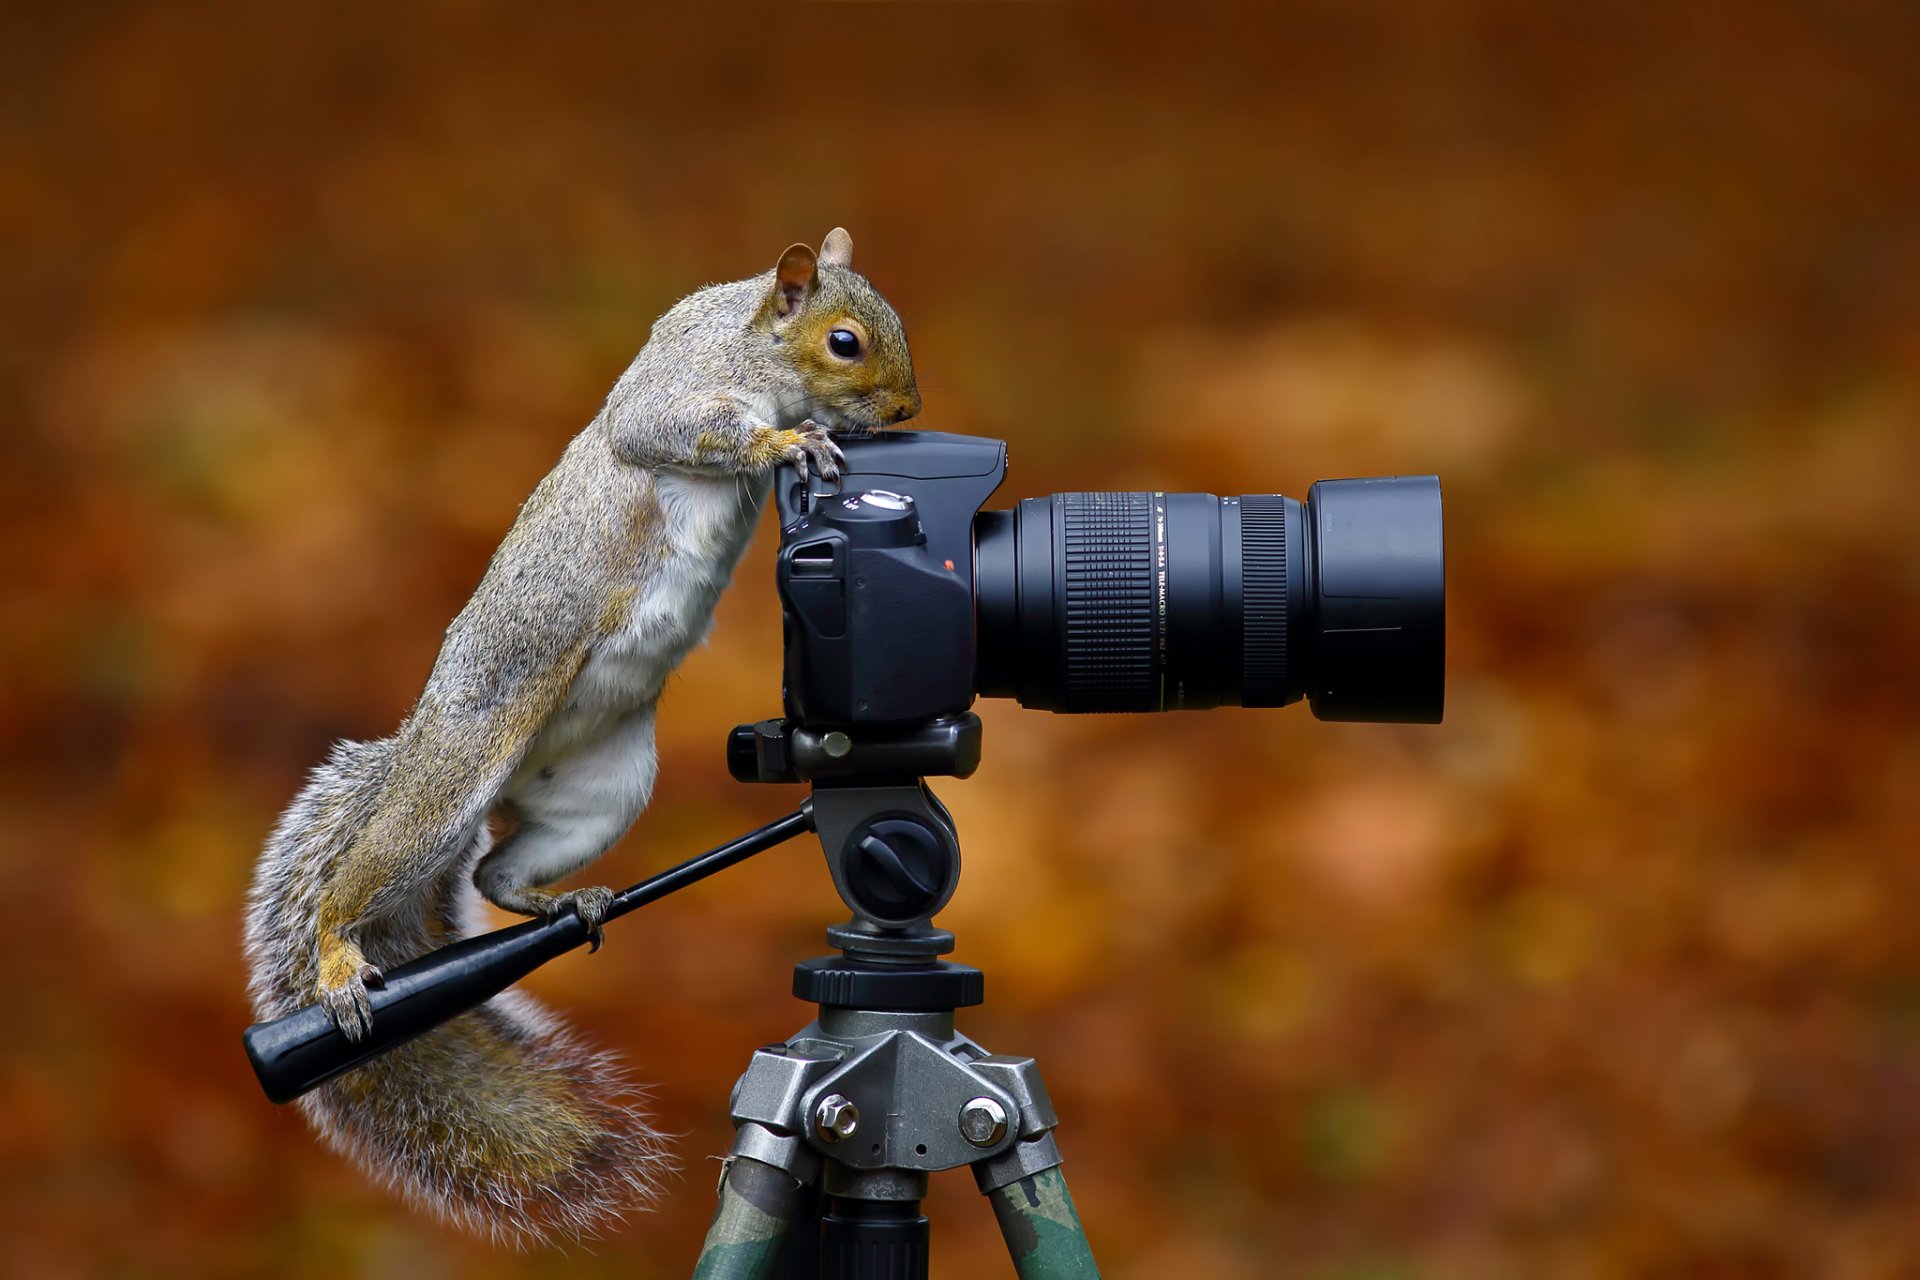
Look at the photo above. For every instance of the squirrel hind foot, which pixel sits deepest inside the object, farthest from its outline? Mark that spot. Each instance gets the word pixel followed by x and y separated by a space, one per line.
pixel 590 905
pixel 345 976
pixel 349 1005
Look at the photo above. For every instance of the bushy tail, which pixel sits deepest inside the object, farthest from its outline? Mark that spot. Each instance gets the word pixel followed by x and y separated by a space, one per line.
pixel 499 1120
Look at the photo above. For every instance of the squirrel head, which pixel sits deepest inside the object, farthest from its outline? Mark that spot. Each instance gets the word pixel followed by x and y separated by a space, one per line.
pixel 841 337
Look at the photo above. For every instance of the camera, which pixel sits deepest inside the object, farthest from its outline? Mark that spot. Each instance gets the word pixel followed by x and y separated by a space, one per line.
pixel 903 599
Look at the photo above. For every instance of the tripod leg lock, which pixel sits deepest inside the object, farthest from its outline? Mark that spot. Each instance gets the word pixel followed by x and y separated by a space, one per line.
pixel 1020 1078
pixel 786 1151
pixel 1023 1159
pixel 773 1090
pixel 758 1209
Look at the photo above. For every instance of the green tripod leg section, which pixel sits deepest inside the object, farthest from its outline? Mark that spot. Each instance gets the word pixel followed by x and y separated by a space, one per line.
pixel 758 1205
pixel 1041 1229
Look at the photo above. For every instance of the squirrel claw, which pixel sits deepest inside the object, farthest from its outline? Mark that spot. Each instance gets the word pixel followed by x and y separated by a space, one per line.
pixel 818 449
pixel 349 1006
pixel 591 906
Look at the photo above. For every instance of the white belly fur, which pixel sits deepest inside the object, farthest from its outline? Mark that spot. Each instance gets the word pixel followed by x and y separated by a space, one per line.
pixel 708 523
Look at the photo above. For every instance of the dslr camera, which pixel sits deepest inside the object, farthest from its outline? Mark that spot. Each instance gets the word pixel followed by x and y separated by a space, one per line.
pixel 904 600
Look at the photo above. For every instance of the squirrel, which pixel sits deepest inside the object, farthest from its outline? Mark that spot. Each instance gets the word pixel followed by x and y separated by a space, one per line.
pixel 540 708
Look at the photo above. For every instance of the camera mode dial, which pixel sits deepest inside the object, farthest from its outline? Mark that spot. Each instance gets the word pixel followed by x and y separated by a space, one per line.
pixel 876 518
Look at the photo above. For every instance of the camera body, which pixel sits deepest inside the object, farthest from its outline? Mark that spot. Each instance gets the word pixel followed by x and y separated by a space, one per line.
pixel 877 579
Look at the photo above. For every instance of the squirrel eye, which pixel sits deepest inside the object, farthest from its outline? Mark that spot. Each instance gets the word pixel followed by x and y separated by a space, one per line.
pixel 844 343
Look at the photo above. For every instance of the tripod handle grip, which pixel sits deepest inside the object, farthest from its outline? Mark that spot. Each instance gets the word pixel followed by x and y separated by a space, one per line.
pixel 304 1049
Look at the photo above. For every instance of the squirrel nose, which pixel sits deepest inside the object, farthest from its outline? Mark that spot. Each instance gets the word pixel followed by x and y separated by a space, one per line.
pixel 900 415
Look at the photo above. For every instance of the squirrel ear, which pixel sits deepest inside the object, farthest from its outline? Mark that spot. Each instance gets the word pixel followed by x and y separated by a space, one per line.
pixel 794 279
pixel 837 249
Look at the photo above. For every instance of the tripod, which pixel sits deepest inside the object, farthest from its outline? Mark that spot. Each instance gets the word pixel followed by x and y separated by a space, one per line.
pixel 837 1129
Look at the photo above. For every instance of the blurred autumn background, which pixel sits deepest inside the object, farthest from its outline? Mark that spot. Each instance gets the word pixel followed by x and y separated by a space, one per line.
pixel 1614 974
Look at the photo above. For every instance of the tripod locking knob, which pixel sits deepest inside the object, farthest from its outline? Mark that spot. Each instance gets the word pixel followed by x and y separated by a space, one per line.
pixel 898 868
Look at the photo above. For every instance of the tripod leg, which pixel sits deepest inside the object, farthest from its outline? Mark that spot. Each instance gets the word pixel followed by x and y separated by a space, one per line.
pixel 1035 1213
pixel 1041 1229
pixel 758 1206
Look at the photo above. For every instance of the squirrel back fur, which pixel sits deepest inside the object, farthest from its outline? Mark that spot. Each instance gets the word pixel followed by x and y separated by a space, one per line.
pixel 540 707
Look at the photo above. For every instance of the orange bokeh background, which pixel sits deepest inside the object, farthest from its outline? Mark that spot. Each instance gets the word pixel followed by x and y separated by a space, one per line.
pixel 1614 974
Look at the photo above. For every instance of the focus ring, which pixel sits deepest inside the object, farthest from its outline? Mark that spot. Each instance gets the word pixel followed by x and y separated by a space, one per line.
pixel 1108 613
pixel 1263 570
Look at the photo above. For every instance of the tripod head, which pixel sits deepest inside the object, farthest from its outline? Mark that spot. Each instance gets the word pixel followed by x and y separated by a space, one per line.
pixel 889 842
pixel 890 846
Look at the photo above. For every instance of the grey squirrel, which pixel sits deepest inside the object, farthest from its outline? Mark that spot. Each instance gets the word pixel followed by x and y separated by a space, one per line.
pixel 541 705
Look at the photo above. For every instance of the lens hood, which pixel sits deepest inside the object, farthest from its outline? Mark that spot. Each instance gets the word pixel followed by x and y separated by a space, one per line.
pixel 1378 586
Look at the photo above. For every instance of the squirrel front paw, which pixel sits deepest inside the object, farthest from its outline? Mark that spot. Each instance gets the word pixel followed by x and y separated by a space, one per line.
pixel 812 446
pixel 345 976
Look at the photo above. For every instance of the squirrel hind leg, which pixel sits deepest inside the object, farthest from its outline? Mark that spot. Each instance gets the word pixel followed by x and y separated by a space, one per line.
pixel 590 903
pixel 569 812
pixel 512 876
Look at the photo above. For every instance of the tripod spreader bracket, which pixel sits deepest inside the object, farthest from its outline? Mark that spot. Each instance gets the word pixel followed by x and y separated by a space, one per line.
pixel 873 1090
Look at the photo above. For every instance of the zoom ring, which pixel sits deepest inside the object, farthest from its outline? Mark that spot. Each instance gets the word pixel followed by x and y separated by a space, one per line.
pixel 1110 619
pixel 1263 575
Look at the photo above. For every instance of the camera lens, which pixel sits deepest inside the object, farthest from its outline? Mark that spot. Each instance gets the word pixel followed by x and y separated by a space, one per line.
pixel 1170 601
